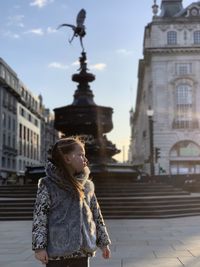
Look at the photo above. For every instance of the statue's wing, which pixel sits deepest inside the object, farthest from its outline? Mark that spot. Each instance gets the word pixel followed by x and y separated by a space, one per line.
pixel 80 18
pixel 68 25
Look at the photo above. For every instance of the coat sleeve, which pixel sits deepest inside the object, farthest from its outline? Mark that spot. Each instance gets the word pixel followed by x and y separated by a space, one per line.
pixel 102 234
pixel 40 217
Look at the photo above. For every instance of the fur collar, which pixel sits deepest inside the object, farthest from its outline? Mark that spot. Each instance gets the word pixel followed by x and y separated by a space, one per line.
pixel 56 175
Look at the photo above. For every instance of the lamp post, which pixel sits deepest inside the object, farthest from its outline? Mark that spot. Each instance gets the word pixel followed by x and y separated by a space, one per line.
pixel 155 8
pixel 150 113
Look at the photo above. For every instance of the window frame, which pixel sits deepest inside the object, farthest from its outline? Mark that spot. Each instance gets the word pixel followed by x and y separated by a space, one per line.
pixel 172 38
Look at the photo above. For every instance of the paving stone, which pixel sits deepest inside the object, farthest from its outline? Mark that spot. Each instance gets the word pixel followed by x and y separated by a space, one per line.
pixel 190 262
pixel 186 247
pixel 105 263
pixel 153 263
pixel 172 254
pixel 164 242
pixel 23 264
pixel 195 252
pixel 135 243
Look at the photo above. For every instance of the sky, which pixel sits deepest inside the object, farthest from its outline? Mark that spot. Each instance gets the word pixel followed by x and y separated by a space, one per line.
pixel 45 61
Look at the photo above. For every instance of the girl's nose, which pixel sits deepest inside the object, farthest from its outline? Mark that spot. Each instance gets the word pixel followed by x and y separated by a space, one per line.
pixel 86 161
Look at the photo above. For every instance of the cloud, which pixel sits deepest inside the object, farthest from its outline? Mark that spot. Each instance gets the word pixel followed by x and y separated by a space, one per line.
pixel 98 66
pixel 41 3
pixel 57 65
pixel 16 36
pixel 75 63
pixel 16 21
pixel 124 52
pixel 51 30
pixel 11 35
pixel 38 31
pixel 41 32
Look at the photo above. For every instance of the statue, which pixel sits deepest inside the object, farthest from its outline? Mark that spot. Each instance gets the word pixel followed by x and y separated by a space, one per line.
pixel 84 117
pixel 79 29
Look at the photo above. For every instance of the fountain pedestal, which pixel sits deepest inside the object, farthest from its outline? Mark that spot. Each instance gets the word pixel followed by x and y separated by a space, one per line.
pixel 85 118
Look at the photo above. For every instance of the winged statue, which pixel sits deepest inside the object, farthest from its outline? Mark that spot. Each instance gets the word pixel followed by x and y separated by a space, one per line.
pixel 79 28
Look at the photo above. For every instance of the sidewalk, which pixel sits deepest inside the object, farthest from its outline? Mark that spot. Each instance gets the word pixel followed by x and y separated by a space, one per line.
pixel 136 243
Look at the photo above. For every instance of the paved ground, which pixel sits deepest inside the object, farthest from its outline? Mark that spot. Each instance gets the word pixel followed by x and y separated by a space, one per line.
pixel 136 243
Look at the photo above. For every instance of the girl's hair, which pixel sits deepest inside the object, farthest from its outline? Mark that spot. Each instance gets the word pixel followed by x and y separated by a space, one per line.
pixel 62 147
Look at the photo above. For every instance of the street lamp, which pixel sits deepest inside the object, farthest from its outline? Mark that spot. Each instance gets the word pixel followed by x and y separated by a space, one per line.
pixel 150 113
pixel 155 8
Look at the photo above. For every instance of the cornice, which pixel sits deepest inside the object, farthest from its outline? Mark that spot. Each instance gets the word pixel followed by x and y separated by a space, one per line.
pixel 169 50
pixel 182 19
pixel 178 26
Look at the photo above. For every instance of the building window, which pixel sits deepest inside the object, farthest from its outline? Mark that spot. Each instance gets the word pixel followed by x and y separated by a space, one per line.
pixel 9 122
pixel 24 152
pixel 22 112
pixel 3 162
pixel 4 119
pixel 20 148
pixel 8 163
pixel 179 158
pixel 13 125
pixel 197 37
pixel 9 141
pixel 36 122
pixel 20 131
pixel 20 164
pixel 13 142
pixel 30 117
pixel 24 136
pixel 22 92
pixel 13 164
pixel 185 149
pixel 184 107
pixel 26 95
pixel 183 69
pixel 171 38
pixel 8 77
pixel 4 139
pixel 28 135
pixel 3 73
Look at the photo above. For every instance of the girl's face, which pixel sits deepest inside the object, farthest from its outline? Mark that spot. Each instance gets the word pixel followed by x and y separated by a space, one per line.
pixel 76 159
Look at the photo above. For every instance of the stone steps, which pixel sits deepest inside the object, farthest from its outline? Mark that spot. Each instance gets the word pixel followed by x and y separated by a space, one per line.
pixel 127 201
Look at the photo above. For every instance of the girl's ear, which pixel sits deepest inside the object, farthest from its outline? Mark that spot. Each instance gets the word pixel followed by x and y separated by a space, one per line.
pixel 67 158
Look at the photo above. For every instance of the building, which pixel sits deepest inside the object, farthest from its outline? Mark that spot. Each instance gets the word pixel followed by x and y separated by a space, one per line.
pixel 9 97
pixel 167 139
pixel 26 126
pixel 29 129
pixel 49 135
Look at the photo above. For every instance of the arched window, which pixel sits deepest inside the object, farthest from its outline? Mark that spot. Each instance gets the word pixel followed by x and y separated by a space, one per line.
pixel 197 37
pixel 184 158
pixel 185 148
pixel 171 38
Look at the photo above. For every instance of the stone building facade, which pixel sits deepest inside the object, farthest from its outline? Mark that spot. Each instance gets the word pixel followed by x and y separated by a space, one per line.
pixel 9 97
pixel 26 126
pixel 169 85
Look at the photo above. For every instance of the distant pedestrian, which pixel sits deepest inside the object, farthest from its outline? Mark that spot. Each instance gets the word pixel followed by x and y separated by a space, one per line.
pixel 67 224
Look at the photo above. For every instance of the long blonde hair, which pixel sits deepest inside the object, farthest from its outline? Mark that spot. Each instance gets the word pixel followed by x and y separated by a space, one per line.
pixel 62 147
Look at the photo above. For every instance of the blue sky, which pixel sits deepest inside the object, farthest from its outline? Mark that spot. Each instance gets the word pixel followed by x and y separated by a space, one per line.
pixel 45 61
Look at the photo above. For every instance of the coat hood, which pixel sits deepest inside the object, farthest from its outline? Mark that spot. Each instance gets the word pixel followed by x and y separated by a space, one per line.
pixel 57 176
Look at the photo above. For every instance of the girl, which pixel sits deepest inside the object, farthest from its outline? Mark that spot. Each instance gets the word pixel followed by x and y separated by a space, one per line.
pixel 67 222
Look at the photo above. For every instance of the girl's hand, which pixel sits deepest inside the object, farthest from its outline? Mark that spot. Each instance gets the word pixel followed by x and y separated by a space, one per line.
pixel 42 256
pixel 106 253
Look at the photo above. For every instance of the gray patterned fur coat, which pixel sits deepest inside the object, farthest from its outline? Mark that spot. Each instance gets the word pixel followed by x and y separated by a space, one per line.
pixel 63 224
